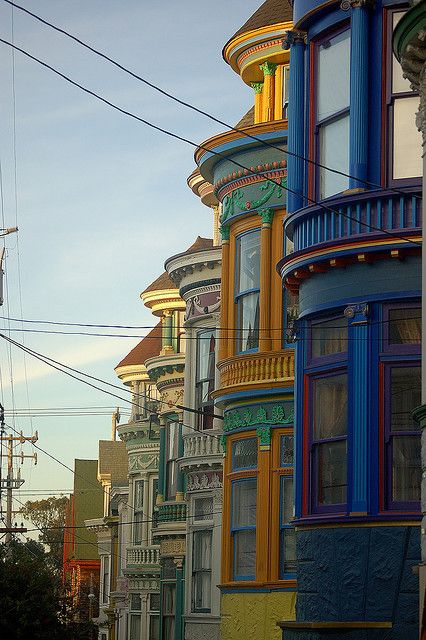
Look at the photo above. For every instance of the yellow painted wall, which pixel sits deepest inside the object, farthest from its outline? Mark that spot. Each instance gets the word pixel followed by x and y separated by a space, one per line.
pixel 254 616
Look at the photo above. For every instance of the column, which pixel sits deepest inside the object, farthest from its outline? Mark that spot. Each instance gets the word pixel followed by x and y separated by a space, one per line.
pixel 161 463
pixel 216 230
pixel 268 69
pixel 167 329
pixel 295 164
pixel 357 315
pixel 179 599
pixel 179 472
pixel 258 88
pixel 358 127
pixel 225 293
pixel 265 280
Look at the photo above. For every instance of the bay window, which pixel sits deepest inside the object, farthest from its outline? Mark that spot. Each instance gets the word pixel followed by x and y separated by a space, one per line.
pixel 205 378
pixel 202 537
pixel 287 532
pixel 332 112
pixel 247 290
pixel 168 597
pixel 135 616
pixel 154 616
pixel 243 528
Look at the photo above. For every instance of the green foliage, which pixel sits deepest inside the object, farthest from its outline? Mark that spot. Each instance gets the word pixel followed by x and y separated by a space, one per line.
pixel 50 515
pixel 33 605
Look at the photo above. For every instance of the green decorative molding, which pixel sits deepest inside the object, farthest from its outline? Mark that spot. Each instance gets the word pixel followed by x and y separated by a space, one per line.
pixel 257 86
pixel 156 373
pixel 224 232
pixel 267 215
pixel 265 435
pixel 257 417
pixel 268 68
pixel 236 202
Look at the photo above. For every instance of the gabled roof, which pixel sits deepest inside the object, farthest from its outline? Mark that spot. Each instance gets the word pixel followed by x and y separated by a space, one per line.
pixel 160 284
pixel 148 347
pixel 269 13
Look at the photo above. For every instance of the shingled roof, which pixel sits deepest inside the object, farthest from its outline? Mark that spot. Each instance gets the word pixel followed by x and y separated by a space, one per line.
pixel 148 347
pixel 200 244
pixel 270 12
pixel 160 284
pixel 247 120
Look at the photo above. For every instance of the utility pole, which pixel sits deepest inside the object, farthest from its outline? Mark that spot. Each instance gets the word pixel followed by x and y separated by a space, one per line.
pixel 11 482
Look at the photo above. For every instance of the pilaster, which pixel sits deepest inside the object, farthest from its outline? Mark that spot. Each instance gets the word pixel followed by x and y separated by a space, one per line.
pixel 265 280
pixel 258 99
pixel 357 315
pixel 358 128
pixel 296 42
pixel 223 342
pixel 268 69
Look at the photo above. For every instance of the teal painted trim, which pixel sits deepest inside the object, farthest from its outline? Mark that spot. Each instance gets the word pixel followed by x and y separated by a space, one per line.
pixel 179 473
pixel 179 603
pixel 161 465
pixel 358 127
pixel 359 344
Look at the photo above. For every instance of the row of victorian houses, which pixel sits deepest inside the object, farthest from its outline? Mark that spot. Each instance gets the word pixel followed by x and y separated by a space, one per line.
pixel 267 483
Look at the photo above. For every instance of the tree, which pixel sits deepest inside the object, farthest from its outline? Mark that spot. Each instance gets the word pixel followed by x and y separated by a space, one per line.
pixel 50 516
pixel 33 604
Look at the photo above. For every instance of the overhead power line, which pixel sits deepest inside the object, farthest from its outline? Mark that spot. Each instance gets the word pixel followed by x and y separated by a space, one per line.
pixel 187 104
pixel 201 146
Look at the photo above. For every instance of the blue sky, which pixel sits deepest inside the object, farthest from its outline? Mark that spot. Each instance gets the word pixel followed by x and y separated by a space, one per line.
pixel 101 199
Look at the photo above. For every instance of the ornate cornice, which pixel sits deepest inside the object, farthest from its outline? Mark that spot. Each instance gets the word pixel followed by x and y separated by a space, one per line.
pixel 269 171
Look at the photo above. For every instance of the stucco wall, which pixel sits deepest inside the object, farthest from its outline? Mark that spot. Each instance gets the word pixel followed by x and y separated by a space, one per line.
pixel 254 616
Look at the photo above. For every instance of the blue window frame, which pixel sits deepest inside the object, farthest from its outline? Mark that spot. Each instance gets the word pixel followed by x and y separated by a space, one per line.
pixel 243 528
pixel 247 290
pixel 287 532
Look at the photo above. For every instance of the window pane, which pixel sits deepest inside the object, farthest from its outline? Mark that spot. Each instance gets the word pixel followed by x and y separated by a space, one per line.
pixel 202 550
pixel 333 75
pixel 332 473
pixel 244 503
pixel 171 477
pixel 405 396
pixel 405 325
pixel 135 627
pixel 168 627
pixel 329 337
pixel 286 500
pixel 138 499
pixel 135 602
pixel 406 468
pixel 244 454
pixel 291 301
pixel 154 628
pixel 334 153
pixel 154 602
pixel 248 321
pixel 286 78
pixel 330 407
pixel 287 450
pixel 203 509
pixel 399 84
pixel 169 596
pixel 205 355
pixel 407 139
pixel 172 440
pixel 288 542
pixel 249 261
pixel 201 591
pixel 245 553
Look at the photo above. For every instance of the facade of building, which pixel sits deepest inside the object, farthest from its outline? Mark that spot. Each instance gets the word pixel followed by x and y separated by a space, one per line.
pixel 197 275
pixel 81 559
pixel 255 360
pixel 355 236
pixel 166 371
pixel 141 571
pixel 108 529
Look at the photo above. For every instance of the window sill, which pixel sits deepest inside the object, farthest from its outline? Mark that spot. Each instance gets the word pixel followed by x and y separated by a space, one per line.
pixel 258 586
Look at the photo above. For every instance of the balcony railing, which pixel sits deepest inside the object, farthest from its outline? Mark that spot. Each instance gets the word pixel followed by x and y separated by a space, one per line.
pixel 257 369
pixel 357 214
pixel 173 512
pixel 137 555
pixel 201 444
